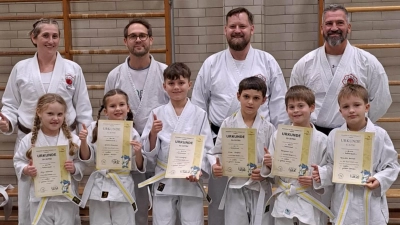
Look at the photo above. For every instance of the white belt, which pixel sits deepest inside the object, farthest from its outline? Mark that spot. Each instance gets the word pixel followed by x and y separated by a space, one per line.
pixel 301 192
pixel 161 175
pixel 114 175
pixel 7 203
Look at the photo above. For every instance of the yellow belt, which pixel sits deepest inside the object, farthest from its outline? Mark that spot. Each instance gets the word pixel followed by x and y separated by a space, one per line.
pixel 44 200
pixel 161 175
pixel 345 204
pixel 288 188
pixel 114 175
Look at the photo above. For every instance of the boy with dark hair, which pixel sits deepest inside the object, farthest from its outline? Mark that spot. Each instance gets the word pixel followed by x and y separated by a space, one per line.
pixel 347 198
pixel 173 197
pixel 302 204
pixel 244 198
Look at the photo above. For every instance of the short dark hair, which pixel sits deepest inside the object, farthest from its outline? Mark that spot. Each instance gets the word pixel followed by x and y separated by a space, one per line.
pixel 141 21
pixel 253 83
pixel 353 90
pixel 334 8
pixel 300 93
pixel 238 11
pixel 176 70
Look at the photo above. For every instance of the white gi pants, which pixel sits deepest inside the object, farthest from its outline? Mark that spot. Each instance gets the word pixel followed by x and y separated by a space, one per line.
pixel 56 213
pixel 111 213
pixel 166 209
pixel 241 206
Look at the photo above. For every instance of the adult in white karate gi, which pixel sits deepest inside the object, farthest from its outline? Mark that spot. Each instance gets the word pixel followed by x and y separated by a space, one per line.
pixel 217 83
pixel 141 77
pixel 46 72
pixel 326 69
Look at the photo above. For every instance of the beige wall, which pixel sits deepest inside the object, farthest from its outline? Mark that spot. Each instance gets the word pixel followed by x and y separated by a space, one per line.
pixel 287 29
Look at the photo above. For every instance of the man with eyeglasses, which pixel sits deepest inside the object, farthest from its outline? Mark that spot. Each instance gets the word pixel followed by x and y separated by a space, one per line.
pixel 141 77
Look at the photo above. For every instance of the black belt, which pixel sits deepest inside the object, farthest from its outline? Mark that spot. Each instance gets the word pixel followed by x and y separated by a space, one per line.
pixel 325 130
pixel 26 130
pixel 215 128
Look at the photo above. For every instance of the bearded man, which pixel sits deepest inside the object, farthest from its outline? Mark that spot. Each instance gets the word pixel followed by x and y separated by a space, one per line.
pixel 328 68
pixel 217 84
pixel 141 77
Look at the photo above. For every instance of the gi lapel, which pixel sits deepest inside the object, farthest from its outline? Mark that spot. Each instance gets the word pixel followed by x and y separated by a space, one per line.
pixel 59 77
pixel 36 77
pixel 235 77
pixel 183 122
pixel 129 87
pixel 149 85
pixel 330 100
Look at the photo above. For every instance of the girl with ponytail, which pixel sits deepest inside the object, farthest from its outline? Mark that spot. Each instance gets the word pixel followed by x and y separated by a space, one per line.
pixel 111 192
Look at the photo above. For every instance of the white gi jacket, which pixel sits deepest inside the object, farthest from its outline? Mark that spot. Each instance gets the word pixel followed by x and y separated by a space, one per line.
pixel 102 184
pixel 385 170
pixel 193 120
pixel 153 91
pixel 293 206
pixel 264 132
pixel 218 82
pixel 20 161
pixel 25 87
pixel 356 66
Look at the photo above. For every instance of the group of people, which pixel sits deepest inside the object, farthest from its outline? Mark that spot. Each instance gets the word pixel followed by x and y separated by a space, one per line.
pixel 335 87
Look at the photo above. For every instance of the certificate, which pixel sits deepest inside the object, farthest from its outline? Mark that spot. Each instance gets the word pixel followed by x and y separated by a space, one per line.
pixel 52 178
pixel 185 156
pixel 239 157
pixel 352 157
pixel 113 144
pixel 291 151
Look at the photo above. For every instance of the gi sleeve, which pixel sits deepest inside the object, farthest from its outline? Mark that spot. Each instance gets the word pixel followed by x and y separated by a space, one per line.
pixel 378 90
pixel 388 167
pixel 11 100
pixel 81 100
pixel 276 98
pixel 201 90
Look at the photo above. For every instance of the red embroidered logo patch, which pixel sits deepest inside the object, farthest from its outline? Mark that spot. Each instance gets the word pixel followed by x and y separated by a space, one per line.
pixel 69 79
pixel 350 79
pixel 261 77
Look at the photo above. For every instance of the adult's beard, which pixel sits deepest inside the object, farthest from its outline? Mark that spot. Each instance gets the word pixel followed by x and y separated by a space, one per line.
pixel 238 46
pixel 334 41
pixel 139 53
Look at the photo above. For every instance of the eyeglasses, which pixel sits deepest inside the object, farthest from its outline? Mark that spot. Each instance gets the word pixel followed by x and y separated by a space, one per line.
pixel 141 36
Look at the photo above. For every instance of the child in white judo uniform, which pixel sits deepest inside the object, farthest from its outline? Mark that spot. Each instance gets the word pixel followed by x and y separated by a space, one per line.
pixel 111 192
pixel 50 129
pixel 360 204
pixel 302 204
pixel 174 198
pixel 244 198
